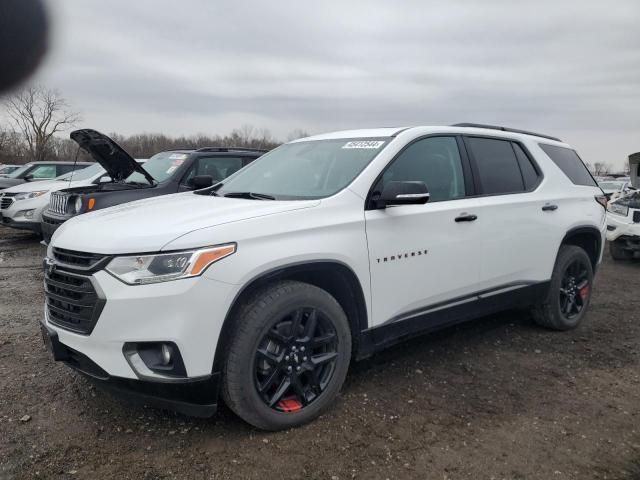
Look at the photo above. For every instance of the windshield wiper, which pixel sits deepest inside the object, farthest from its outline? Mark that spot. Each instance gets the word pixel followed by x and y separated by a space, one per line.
pixel 250 195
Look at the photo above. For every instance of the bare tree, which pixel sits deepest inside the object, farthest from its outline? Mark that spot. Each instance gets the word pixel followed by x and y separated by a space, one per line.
pixel 601 168
pixel 38 113
pixel 296 134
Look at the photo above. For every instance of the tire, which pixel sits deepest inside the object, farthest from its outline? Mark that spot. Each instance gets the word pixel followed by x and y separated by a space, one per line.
pixel 549 312
pixel 618 253
pixel 266 322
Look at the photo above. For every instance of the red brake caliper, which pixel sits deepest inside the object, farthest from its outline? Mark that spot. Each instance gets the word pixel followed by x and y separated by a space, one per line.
pixel 289 405
pixel 584 292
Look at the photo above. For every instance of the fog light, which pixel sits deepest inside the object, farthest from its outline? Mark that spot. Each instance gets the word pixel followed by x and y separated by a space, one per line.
pixel 166 354
pixel 155 360
pixel 25 213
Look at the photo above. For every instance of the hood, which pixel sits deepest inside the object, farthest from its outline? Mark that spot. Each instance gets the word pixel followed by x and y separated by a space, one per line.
pixel 10 182
pixel 32 186
pixel 148 225
pixel 118 163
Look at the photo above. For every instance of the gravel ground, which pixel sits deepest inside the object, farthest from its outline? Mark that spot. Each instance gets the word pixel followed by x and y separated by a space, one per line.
pixel 492 399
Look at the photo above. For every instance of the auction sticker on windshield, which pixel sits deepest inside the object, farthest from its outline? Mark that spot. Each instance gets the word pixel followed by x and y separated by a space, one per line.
pixel 178 156
pixel 374 144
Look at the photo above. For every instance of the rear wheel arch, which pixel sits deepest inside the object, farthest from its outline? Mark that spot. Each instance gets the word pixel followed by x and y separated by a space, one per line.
pixel 588 238
pixel 336 278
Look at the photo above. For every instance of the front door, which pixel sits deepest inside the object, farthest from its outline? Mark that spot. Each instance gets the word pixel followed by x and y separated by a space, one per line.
pixel 424 256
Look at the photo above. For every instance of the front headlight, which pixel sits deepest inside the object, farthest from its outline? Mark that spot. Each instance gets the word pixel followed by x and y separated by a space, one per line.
pixel 78 204
pixel 162 267
pixel 27 195
pixel 618 209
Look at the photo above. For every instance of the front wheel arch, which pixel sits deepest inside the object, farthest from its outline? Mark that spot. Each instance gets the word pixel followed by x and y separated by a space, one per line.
pixel 337 278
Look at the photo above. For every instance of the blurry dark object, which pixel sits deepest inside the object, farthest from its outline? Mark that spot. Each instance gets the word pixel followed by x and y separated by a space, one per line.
pixel 24 34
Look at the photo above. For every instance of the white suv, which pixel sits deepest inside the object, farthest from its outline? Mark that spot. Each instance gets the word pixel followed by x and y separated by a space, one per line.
pixel 264 287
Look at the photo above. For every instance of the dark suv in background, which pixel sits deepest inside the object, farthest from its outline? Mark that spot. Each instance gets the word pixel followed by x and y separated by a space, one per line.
pixel 166 172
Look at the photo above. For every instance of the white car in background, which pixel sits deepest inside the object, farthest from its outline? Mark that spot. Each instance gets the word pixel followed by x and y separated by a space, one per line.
pixel 21 206
pixel 623 218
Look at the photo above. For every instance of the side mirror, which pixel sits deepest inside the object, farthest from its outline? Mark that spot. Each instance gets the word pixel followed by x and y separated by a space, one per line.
pixel 403 193
pixel 201 181
pixel 104 179
pixel 28 178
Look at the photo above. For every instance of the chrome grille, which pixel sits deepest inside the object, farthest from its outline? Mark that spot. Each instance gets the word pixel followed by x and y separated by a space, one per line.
pixel 58 203
pixel 6 199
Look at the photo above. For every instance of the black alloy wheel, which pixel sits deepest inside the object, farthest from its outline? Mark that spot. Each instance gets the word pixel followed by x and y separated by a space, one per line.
pixel 574 288
pixel 295 360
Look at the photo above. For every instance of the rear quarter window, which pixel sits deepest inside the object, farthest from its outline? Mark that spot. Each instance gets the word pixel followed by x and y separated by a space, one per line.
pixel 570 163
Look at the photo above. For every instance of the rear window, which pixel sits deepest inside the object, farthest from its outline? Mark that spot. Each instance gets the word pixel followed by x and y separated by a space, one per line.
pixel 570 163
pixel 497 165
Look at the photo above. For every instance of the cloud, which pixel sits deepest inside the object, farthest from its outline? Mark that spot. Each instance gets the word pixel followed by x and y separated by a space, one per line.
pixel 567 68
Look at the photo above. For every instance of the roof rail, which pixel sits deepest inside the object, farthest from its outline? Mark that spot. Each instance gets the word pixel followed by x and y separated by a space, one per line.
pixel 231 149
pixel 505 129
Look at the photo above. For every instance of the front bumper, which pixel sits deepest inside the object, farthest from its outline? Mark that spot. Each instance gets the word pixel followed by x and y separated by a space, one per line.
pixel 196 398
pixel 21 224
pixel 619 227
pixel 50 223
pixel 186 313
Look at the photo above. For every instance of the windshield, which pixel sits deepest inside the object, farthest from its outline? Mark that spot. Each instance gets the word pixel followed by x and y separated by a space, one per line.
pixel 84 174
pixel 7 169
pixel 611 185
pixel 161 166
pixel 305 170
pixel 20 171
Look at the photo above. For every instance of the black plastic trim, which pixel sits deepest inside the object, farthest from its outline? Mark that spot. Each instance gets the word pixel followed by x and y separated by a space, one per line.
pixel 446 314
pixel 195 397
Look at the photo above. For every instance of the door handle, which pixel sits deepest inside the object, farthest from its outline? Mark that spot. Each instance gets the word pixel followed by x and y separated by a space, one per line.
pixel 466 217
pixel 549 207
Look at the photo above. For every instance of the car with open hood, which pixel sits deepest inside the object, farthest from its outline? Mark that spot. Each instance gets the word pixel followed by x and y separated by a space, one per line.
pixel 264 287
pixel 39 171
pixel 22 206
pixel 165 173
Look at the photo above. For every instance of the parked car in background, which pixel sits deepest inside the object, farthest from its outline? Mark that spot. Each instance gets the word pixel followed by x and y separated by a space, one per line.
pixel 265 286
pixel 7 169
pixel 614 188
pixel 164 173
pixel 623 218
pixel 21 206
pixel 40 171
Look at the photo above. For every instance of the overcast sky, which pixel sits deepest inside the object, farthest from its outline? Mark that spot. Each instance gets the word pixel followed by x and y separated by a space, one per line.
pixel 566 68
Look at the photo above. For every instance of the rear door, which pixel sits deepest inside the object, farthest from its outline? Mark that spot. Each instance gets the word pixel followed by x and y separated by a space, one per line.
pixel 423 256
pixel 517 234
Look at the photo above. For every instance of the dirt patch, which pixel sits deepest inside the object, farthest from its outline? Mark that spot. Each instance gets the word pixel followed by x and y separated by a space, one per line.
pixel 496 398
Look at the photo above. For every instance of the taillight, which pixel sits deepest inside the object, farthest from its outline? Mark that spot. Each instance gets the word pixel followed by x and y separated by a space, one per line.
pixel 602 200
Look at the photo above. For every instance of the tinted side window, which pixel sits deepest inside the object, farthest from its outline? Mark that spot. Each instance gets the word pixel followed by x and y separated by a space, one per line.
pixel 529 173
pixel 62 169
pixel 498 169
pixel 434 161
pixel 218 168
pixel 570 163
